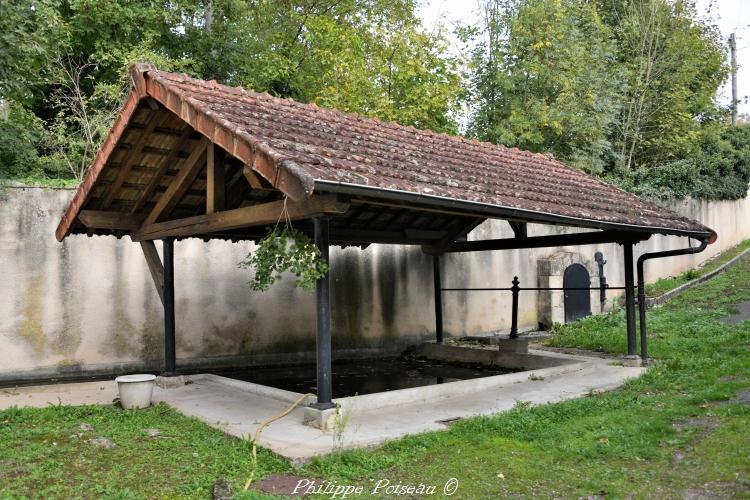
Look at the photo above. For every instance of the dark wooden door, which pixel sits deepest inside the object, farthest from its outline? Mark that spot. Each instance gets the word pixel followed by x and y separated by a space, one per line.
pixel 577 302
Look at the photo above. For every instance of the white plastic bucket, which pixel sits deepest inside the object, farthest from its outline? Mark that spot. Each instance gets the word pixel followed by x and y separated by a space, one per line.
pixel 135 390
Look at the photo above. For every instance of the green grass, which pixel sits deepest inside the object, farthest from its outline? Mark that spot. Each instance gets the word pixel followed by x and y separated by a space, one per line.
pixel 671 433
pixel 45 454
pixel 664 285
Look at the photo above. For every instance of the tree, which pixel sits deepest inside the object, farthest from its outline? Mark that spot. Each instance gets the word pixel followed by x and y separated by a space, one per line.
pixel 365 56
pixel 673 66
pixel 543 79
pixel 28 32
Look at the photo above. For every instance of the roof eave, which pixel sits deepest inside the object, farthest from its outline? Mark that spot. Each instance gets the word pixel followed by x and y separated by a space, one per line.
pixel 503 212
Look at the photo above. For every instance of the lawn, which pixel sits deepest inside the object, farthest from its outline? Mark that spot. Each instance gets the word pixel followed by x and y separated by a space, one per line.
pixel 666 284
pixel 681 430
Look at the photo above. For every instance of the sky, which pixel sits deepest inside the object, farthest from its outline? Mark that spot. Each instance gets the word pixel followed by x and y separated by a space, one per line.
pixel 729 15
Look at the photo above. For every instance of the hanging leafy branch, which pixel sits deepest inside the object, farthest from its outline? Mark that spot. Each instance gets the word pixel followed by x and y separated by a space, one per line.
pixel 283 250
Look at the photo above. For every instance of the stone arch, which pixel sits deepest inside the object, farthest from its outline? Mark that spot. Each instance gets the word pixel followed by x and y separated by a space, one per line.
pixel 550 272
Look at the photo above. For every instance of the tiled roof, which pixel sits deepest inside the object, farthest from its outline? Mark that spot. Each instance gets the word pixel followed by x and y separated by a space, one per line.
pixel 301 148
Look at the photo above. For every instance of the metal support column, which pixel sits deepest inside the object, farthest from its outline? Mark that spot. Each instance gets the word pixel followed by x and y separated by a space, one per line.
pixel 323 340
pixel 642 287
pixel 438 299
pixel 642 314
pixel 514 311
pixel 169 317
pixel 629 297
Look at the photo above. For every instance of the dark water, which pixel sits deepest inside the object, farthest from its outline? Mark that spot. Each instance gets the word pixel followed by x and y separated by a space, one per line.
pixel 365 376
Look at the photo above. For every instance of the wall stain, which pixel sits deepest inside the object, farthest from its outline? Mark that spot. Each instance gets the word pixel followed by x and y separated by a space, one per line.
pixel 31 327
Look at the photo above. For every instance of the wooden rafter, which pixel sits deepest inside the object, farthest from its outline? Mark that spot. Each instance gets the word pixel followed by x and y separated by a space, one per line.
pixel 252 177
pixel 460 232
pixel 116 221
pixel 254 215
pixel 136 152
pixel 180 183
pixel 164 166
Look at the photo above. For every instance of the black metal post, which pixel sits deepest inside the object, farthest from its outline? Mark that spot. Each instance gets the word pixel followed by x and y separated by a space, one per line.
pixel 170 363
pixel 642 313
pixel 323 340
pixel 438 299
pixel 629 297
pixel 514 312
pixel 599 258
pixel 642 287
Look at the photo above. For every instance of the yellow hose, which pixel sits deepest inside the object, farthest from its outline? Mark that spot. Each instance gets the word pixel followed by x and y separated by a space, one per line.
pixel 260 428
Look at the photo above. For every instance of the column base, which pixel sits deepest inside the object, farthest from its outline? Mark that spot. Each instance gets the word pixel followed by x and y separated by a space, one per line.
pixel 173 381
pixel 324 419
pixel 633 361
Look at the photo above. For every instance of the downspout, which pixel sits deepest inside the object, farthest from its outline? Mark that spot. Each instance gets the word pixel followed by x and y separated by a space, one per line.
pixel 642 284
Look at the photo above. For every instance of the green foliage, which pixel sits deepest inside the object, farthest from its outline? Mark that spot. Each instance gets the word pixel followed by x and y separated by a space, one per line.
pixel 66 62
pixel 285 250
pixel 20 134
pixel 718 170
pixel 369 57
pixel 543 79
pixel 29 33
pixel 673 65
pixel 622 88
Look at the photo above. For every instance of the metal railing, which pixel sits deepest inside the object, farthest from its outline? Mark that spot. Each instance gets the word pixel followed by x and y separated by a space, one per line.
pixel 515 289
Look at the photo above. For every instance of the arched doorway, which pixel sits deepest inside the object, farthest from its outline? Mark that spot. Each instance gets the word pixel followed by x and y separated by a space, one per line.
pixel 577 302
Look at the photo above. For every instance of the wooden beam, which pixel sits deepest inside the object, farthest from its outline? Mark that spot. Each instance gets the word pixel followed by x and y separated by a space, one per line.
pixel 155 266
pixel 99 219
pixel 358 236
pixel 152 103
pixel 215 193
pixel 587 238
pixel 460 232
pixel 164 165
pixel 254 215
pixel 133 157
pixel 252 177
pixel 180 183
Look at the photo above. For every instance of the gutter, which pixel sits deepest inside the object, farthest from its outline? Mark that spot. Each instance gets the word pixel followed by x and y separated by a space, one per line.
pixel 490 210
pixel 642 284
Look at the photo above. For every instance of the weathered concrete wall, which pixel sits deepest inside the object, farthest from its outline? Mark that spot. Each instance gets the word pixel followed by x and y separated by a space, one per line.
pixel 88 304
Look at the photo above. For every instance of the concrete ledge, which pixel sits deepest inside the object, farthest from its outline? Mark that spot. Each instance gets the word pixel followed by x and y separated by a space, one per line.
pixel 512 360
pixel 542 364
pixel 257 389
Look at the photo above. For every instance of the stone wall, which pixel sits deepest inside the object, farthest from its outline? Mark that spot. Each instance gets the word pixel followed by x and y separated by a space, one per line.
pixel 88 305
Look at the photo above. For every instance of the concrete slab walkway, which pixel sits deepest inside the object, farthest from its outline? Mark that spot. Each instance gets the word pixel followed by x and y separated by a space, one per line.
pixel 237 408
pixel 225 405
pixel 75 394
